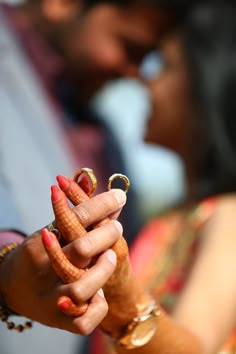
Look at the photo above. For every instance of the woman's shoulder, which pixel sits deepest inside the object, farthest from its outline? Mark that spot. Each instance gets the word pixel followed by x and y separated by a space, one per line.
pixel 194 216
pixel 224 213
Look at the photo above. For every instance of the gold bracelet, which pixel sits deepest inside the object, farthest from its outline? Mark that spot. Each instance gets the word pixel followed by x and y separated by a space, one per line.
pixel 5 250
pixel 141 330
pixel 4 311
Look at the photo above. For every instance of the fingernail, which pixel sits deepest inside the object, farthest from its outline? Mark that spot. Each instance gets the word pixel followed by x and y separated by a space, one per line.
pixel 85 185
pixel 55 193
pixel 47 238
pixel 63 182
pixel 118 226
pixel 101 293
pixel 120 196
pixel 111 256
pixel 63 303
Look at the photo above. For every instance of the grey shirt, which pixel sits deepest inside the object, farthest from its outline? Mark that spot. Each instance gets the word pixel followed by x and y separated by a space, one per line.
pixel 32 153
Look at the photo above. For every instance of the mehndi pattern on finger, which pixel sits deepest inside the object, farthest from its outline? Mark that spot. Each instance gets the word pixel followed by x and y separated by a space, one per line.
pixel 66 220
pixel 74 192
pixel 67 272
pixel 60 263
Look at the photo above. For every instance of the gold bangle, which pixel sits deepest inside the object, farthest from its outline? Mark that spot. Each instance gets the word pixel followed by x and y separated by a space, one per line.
pixel 4 311
pixel 142 329
pixel 5 250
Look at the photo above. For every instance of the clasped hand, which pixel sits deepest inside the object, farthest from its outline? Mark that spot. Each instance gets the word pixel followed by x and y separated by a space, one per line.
pixel 31 287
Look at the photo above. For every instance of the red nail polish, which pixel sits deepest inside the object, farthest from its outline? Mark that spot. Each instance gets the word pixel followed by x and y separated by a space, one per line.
pixel 85 185
pixel 56 193
pixel 64 303
pixel 63 182
pixel 47 238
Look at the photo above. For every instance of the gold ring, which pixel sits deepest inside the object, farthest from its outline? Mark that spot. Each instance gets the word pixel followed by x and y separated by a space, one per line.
pixel 52 228
pixel 90 174
pixel 119 176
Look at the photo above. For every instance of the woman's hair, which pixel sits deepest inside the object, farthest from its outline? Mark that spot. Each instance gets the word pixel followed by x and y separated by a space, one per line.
pixel 209 34
pixel 210 43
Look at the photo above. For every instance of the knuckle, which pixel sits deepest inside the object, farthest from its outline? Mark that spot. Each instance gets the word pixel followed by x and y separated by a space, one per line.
pixel 83 247
pixel 76 292
pixel 82 213
pixel 85 326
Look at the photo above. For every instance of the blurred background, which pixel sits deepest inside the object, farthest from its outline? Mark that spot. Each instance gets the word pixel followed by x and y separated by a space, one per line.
pixel 156 173
pixel 124 105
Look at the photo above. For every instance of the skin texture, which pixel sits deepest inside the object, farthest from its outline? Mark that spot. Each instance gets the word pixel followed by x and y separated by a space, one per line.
pixel 30 265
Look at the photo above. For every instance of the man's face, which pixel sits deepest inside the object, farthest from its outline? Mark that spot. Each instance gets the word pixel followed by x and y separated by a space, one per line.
pixel 110 42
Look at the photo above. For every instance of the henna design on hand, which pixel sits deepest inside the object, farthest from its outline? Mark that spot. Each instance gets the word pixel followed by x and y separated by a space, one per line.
pixel 120 286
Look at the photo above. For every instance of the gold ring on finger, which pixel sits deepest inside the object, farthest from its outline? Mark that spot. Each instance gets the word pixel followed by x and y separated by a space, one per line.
pixel 52 228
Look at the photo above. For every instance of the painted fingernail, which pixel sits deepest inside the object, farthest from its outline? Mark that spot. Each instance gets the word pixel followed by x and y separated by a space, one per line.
pixel 120 196
pixel 118 226
pixel 48 239
pixel 101 293
pixel 55 193
pixel 111 256
pixel 85 185
pixel 64 303
pixel 63 182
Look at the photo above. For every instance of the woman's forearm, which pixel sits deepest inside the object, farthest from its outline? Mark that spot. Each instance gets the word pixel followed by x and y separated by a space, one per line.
pixel 170 338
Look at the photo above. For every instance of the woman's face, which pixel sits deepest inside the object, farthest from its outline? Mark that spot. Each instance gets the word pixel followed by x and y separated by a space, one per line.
pixel 169 123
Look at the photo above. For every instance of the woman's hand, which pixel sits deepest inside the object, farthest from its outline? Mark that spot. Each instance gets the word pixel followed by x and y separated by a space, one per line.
pixel 125 296
pixel 31 287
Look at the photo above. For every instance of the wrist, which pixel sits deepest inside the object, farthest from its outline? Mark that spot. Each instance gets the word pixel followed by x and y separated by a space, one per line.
pixel 7 237
pixel 4 255
pixel 139 330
